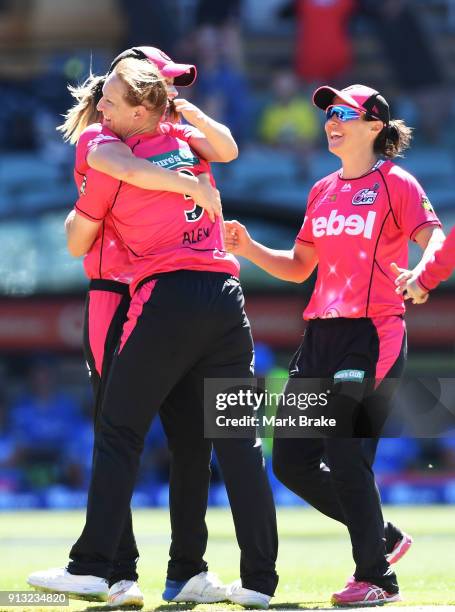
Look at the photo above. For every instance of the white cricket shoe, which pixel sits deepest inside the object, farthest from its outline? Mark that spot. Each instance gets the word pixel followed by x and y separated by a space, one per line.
pixel 246 597
pixel 205 587
pixel 59 580
pixel 125 593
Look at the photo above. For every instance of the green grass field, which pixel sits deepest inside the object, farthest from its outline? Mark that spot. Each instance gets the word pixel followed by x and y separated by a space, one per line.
pixel 314 557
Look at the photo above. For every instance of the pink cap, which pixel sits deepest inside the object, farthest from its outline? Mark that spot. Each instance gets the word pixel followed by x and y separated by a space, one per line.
pixel 183 74
pixel 358 96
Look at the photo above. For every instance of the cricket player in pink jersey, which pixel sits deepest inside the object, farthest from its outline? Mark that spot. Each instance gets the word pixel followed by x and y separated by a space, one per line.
pixel 185 323
pixel 108 267
pixel 357 223
pixel 416 284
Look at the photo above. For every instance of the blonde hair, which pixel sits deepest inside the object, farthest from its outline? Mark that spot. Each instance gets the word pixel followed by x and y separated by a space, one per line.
pixel 83 113
pixel 144 85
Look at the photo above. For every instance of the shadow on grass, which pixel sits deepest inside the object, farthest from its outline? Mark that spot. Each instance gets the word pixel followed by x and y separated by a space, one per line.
pixel 312 605
pixel 108 608
pixel 181 607
pixel 178 607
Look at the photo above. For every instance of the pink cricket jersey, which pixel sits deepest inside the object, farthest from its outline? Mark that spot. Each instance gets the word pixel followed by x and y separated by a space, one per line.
pixel 162 231
pixel 358 228
pixel 107 257
pixel 441 266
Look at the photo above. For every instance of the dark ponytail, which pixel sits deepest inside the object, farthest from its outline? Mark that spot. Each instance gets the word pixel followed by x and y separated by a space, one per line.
pixel 393 139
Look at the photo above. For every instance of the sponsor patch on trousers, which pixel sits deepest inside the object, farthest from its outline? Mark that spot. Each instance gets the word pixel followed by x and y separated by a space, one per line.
pixel 349 376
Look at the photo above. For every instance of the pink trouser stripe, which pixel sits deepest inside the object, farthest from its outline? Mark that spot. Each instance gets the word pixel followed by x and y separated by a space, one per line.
pixel 135 310
pixel 390 331
pixel 101 310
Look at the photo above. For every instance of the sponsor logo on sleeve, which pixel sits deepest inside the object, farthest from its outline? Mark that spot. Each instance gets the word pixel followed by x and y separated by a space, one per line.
pixel 366 196
pixel 426 204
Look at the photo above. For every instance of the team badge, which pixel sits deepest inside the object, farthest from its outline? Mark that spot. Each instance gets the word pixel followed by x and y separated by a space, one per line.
pixel 366 197
pixel 426 204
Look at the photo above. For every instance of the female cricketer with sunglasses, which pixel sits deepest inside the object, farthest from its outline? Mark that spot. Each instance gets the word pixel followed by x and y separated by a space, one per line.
pixel 358 222
pixel 109 270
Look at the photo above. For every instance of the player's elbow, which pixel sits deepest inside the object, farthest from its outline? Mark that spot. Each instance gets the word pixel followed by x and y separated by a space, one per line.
pixel 226 152
pixel 76 248
pixel 231 153
pixel 300 277
pixel 126 172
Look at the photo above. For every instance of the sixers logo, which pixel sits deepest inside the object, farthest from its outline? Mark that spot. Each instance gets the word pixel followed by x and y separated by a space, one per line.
pixel 366 197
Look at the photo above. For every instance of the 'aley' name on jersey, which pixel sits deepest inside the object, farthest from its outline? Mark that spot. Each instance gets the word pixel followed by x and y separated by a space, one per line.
pixel 195 235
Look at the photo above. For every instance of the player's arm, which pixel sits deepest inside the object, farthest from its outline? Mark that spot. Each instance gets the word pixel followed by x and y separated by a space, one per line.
pixel 98 193
pixel 118 161
pixel 294 265
pixel 438 266
pixel 430 239
pixel 441 266
pixel 80 233
pixel 215 142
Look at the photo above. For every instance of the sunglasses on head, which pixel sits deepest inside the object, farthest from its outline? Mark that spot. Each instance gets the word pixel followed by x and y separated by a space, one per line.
pixel 344 113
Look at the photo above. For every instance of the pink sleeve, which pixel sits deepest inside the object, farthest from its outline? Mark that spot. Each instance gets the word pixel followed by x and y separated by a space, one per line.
pixel 441 266
pixel 305 235
pixel 103 138
pixel 98 193
pixel 90 133
pixel 411 207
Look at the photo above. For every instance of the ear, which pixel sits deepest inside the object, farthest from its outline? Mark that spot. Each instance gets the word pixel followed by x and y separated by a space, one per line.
pixel 139 111
pixel 376 126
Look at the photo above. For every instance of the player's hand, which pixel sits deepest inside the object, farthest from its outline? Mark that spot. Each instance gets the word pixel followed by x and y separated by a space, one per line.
pixel 415 292
pixel 402 277
pixel 208 197
pixel 407 285
pixel 190 112
pixel 237 238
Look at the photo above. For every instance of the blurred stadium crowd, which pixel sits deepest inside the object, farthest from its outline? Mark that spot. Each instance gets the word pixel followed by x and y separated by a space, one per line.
pixel 258 62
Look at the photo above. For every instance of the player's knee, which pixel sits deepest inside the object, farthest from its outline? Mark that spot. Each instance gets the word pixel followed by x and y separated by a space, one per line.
pixel 117 436
pixel 187 450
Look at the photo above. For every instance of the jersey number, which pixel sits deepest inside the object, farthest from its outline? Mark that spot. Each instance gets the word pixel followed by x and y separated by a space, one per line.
pixel 197 211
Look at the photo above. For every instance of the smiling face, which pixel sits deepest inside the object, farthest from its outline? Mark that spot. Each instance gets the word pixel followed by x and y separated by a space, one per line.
pixel 347 138
pixel 118 115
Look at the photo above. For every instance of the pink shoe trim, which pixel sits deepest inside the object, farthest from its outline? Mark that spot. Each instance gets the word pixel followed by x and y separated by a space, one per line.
pixel 400 549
